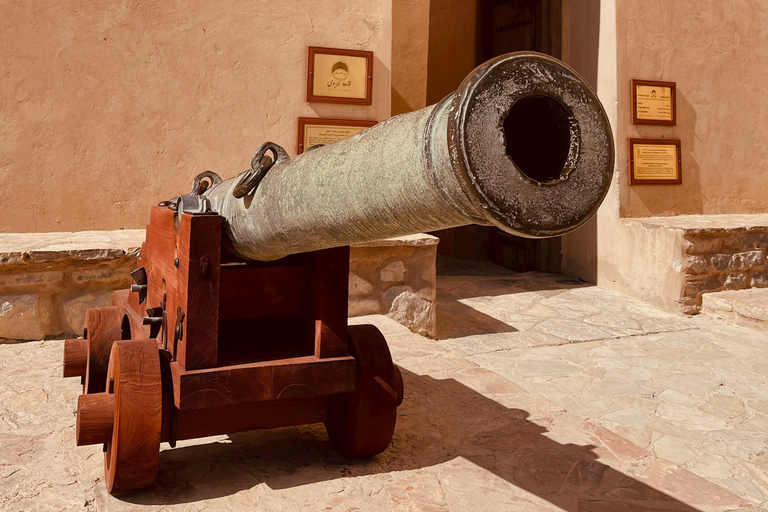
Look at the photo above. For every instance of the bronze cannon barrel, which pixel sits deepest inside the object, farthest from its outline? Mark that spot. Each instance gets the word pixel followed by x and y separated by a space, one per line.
pixel 524 145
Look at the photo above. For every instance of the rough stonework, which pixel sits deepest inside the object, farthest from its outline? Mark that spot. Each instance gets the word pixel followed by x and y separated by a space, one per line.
pixel 689 255
pixel 730 258
pixel 395 277
pixel 49 280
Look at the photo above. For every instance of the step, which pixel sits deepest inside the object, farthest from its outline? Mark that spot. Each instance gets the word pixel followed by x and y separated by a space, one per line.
pixel 743 307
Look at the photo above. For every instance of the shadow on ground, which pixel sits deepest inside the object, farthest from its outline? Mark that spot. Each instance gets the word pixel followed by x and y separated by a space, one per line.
pixel 459 279
pixel 441 420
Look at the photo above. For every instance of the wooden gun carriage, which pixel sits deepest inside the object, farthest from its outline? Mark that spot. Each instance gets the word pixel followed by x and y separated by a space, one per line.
pixel 238 318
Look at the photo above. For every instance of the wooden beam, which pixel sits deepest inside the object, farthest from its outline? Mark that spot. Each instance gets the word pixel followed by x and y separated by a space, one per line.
pixel 267 380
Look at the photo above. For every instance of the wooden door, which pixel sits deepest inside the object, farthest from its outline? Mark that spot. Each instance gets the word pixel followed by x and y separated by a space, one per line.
pixel 509 26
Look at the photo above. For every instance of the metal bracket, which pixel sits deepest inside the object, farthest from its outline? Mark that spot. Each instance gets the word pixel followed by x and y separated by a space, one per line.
pixel 140 277
pixel 260 164
pixel 199 185
pixel 178 331
pixel 154 320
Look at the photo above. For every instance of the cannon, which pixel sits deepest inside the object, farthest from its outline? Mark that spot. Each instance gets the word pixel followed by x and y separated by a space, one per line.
pixel 238 316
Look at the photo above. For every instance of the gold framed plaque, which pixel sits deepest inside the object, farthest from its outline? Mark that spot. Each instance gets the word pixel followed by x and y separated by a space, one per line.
pixel 314 131
pixel 655 162
pixel 339 76
pixel 654 102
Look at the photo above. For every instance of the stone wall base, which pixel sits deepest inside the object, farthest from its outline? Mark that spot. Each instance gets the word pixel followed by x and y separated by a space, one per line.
pixel 677 259
pixel 396 277
pixel 49 280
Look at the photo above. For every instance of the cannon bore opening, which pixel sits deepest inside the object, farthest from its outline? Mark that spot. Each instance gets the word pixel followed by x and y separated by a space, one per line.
pixel 537 131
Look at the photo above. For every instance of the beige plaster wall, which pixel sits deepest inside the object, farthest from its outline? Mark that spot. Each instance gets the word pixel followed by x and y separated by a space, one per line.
pixel 630 258
pixel 580 50
pixel 108 108
pixel 410 47
pixel 717 52
pixel 703 47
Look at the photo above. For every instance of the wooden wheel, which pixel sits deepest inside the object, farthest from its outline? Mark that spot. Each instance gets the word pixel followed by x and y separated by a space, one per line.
pixel 103 327
pixel 361 423
pixel 131 458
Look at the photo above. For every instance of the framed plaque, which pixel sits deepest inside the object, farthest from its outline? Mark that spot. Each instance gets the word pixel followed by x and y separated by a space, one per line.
pixel 339 76
pixel 654 103
pixel 655 162
pixel 314 131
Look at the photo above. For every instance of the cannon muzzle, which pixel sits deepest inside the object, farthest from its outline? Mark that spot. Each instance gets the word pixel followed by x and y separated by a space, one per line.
pixel 523 145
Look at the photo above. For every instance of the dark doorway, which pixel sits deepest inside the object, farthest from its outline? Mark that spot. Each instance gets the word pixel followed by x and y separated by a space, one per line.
pixel 501 26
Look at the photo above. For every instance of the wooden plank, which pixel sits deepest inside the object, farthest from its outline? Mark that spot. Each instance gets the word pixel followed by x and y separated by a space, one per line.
pixel 328 276
pixel 197 292
pixel 267 380
pixel 256 292
pixel 195 423
pixel 315 377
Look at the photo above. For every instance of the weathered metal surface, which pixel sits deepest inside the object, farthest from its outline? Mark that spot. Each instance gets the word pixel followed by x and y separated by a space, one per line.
pixel 524 144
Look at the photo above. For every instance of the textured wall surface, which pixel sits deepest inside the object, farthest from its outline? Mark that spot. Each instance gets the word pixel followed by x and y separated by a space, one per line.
pixel 109 108
pixel 717 52
pixel 410 45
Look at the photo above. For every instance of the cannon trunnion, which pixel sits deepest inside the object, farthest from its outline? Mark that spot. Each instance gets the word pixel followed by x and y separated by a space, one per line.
pixel 238 318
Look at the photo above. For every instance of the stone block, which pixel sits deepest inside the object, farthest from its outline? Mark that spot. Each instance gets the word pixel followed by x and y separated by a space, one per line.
pixel 361 307
pixel 701 244
pixel 359 287
pixel 11 258
pixel 20 317
pixel 23 279
pixel 756 241
pixel 733 242
pixel 695 265
pixel 711 284
pixel 735 281
pixel 391 294
pixel 690 309
pixel 394 272
pixel 721 261
pixel 747 260
pixel 413 312
pixel 118 275
pixel 759 279
pixel 753 309
pixel 74 309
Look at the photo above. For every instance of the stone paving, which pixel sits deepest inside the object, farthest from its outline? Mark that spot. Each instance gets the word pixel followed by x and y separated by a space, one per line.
pixel 688 390
pixel 542 395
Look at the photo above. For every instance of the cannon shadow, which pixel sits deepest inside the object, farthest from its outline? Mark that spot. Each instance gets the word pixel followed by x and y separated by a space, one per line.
pixel 441 424
pixel 481 280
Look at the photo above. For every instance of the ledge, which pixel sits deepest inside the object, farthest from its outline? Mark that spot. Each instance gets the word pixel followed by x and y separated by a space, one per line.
pixel 703 224
pixel 49 280
pixel 18 248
